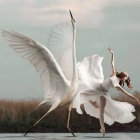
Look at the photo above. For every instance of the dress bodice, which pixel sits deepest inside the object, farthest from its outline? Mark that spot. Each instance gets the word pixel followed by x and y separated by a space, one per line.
pixel 110 82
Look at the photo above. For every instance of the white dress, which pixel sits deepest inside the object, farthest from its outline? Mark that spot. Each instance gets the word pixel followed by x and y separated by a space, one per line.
pixel 92 85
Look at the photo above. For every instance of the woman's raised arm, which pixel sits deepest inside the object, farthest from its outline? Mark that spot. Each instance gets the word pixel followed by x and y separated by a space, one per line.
pixel 112 62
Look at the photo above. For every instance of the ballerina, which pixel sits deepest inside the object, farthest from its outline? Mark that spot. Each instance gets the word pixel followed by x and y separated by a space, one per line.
pixel 93 92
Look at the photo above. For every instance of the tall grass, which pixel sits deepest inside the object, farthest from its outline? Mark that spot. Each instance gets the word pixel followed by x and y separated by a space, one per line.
pixel 15 116
pixel 15 110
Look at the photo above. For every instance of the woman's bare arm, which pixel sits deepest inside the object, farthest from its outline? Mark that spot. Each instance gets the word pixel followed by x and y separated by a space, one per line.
pixel 112 62
pixel 128 94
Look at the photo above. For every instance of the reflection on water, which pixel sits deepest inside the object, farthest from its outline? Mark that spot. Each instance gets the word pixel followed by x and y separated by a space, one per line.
pixel 67 136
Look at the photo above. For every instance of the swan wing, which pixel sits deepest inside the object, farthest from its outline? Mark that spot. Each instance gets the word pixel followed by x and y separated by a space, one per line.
pixel 53 80
pixel 60 43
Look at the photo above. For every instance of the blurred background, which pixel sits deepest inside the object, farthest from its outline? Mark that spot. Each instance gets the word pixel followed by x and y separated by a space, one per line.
pixel 100 24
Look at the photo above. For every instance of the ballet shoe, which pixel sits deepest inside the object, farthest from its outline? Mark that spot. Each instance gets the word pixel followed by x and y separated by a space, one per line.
pixel 102 130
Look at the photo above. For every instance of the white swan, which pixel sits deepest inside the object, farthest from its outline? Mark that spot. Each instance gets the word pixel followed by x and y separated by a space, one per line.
pixel 59 88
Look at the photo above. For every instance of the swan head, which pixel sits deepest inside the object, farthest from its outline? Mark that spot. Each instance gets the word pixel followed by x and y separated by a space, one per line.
pixel 72 19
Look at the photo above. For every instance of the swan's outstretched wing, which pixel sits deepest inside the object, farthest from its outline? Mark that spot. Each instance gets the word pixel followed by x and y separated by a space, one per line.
pixel 60 44
pixel 90 71
pixel 53 80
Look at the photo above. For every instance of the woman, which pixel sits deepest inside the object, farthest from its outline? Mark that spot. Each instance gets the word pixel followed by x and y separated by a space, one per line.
pixel 93 92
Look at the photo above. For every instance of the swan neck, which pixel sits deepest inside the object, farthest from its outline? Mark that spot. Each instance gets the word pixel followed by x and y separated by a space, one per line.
pixel 74 76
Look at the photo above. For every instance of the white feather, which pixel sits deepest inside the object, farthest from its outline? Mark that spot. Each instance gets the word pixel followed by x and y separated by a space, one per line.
pixel 53 81
pixel 60 43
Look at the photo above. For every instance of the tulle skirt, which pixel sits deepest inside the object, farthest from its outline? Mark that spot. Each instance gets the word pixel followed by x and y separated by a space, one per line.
pixel 115 111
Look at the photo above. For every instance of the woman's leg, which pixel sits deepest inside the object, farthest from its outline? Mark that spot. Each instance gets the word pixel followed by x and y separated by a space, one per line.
pixel 101 117
pixel 94 104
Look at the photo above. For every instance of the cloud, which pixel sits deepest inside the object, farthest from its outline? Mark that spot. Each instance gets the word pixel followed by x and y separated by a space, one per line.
pixel 121 2
pixel 3 2
pixel 85 12
pixel 88 13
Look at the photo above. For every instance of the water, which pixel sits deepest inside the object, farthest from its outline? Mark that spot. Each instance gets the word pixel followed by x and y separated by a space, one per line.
pixel 67 136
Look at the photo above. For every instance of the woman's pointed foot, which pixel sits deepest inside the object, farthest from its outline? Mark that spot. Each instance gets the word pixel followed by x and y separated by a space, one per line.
pixel 102 130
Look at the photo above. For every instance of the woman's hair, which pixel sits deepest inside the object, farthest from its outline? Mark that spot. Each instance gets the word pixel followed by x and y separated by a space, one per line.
pixel 127 81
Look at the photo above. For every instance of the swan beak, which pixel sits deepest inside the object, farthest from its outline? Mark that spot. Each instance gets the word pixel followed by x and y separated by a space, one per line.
pixel 71 16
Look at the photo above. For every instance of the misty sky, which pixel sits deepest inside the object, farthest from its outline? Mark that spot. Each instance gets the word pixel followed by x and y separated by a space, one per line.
pixel 100 23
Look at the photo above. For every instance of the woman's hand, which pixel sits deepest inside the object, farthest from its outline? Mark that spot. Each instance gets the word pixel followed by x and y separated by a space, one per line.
pixel 109 49
pixel 137 101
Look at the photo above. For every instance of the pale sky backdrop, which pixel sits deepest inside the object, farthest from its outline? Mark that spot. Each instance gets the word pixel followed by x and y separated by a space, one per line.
pixel 100 23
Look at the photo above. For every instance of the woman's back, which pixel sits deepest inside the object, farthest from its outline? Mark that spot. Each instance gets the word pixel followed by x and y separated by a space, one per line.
pixel 110 82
